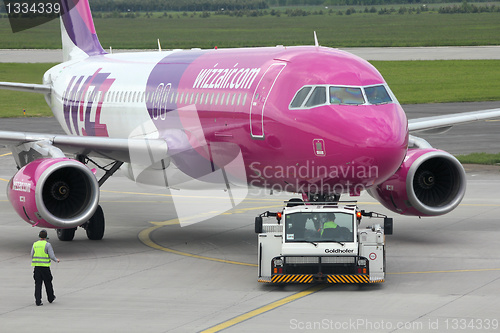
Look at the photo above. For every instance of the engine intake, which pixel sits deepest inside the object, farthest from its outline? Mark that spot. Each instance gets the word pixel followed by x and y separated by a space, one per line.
pixel 429 182
pixel 54 193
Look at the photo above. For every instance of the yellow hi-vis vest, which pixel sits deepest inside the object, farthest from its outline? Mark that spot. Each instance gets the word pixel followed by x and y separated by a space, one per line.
pixel 40 258
pixel 328 225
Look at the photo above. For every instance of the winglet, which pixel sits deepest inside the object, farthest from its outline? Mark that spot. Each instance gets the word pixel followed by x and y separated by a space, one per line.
pixel 315 40
pixel 159 46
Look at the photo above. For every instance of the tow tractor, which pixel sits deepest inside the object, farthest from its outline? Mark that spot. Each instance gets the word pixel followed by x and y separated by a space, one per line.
pixel 321 243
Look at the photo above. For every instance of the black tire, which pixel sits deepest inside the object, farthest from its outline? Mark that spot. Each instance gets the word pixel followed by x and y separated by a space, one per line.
pixel 66 235
pixel 258 224
pixel 295 202
pixel 95 226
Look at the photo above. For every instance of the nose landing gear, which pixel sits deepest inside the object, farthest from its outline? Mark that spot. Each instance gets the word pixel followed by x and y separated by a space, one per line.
pixel 320 197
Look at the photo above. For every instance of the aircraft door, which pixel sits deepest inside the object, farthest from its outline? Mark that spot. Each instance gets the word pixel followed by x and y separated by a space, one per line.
pixel 259 99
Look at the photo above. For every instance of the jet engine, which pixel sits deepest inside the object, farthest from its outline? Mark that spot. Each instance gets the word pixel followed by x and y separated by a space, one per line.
pixel 54 193
pixel 429 182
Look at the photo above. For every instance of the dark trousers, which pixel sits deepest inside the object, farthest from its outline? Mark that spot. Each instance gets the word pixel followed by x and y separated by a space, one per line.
pixel 43 274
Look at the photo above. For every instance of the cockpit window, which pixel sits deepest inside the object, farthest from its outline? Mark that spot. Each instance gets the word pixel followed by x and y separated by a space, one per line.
pixel 313 96
pixel 346 96
pixel 300 97
pixel 318 97
pixel 377 95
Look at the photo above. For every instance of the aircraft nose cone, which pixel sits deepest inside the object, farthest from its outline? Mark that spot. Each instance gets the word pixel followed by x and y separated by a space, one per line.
pixel 373 141
pixel 384 139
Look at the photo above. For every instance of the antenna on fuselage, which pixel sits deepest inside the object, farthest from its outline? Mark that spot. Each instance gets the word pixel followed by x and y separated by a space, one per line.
pixel 159 46
pixel 315 40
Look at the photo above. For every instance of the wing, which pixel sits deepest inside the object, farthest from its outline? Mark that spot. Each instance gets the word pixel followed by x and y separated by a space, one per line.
pixel 445 122
pixel 26 87
pixel 110 148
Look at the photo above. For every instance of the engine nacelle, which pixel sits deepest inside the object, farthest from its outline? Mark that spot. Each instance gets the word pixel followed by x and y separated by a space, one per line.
pixel 54 193
pixel 430 182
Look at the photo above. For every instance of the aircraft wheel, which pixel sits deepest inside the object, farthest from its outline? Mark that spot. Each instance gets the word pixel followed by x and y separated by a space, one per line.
pixel 95 226
pixel 66 235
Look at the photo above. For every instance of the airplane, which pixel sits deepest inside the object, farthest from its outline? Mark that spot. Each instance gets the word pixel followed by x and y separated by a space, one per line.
pixel 312 120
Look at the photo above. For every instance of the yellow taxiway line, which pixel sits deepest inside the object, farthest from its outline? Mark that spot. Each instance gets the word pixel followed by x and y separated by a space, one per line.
pixel 145 237
pixel 265 308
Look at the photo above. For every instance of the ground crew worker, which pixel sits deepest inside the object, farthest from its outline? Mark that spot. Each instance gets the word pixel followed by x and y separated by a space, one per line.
pixel 330 224
pixel 41 256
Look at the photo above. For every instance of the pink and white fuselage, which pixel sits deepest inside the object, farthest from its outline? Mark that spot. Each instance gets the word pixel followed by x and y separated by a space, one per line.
pixel 243 98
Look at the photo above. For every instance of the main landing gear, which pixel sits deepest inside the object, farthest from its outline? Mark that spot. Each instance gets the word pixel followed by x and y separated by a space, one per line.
pixel 94 227
pixel 96 224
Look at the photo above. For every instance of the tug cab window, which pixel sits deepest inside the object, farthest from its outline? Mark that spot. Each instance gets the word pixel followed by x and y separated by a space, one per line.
pixel 319 227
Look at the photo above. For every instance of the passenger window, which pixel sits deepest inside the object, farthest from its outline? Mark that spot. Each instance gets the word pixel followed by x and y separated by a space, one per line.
pixel 377 95
pixel 318 97
pixel 217 99
pixel 300 97
pixel 165 97
pixel 244 99
pixel 346 96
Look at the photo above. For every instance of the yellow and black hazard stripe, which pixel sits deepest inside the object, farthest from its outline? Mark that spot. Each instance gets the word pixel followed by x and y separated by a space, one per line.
pixel 348 279
pixel 292 278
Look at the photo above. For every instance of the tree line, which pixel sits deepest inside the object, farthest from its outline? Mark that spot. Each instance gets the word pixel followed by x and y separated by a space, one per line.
pixel 234 5
pixel 175 5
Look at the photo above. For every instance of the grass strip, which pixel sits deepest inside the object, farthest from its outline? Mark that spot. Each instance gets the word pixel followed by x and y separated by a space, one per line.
pixel 442 81
pixel 358 30
pixel 480 158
